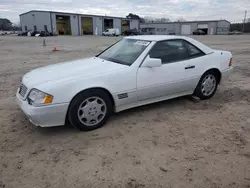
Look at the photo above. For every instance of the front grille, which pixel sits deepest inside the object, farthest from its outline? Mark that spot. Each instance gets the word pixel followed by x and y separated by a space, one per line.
pixel 22 90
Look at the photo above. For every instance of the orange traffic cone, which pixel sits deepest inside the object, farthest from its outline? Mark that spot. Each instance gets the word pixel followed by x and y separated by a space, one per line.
pixel 54 49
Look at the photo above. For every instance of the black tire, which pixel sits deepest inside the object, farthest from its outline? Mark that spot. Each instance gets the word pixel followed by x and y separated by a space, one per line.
pixel 198 90
pixel 77 101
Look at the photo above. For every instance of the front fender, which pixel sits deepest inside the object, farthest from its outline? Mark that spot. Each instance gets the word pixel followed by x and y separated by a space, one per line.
pixel 115 82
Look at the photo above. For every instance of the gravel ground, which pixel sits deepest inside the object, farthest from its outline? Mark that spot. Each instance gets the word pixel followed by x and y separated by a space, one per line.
pixel 177 143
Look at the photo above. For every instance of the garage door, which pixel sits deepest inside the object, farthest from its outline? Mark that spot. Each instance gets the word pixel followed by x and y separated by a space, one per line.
pixel 186 29
pixel 87 25
pixel 203 26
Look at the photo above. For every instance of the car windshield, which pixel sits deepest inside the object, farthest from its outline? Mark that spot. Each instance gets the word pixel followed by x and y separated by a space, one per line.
pixel 125 51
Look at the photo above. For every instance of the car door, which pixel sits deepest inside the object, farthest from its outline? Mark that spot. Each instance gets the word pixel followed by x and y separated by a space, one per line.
pixel 178 74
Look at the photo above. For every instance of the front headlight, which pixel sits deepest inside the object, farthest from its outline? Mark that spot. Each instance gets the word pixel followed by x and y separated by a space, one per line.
pixel 37 98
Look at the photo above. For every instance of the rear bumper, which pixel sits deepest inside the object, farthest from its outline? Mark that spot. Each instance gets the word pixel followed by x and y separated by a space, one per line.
pixel 44 116
pixel 225 74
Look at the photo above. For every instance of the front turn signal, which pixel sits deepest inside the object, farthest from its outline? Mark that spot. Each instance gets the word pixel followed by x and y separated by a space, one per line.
pixel 48 99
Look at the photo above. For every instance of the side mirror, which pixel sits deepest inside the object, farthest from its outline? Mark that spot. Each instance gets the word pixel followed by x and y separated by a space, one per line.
pixel 152 62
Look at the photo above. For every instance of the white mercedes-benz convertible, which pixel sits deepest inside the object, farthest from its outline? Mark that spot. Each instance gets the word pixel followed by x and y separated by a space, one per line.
pixel 135 71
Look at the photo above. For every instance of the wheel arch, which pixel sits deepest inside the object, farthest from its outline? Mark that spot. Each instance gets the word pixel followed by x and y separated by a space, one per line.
pixel 88 89
pixel 216 70
pixel 197 88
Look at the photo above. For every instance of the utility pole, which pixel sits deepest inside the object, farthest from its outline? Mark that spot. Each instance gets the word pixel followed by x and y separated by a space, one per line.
pixel 243 28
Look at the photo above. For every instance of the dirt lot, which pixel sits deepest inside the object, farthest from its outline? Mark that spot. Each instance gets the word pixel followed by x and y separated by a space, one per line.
pixel 177 143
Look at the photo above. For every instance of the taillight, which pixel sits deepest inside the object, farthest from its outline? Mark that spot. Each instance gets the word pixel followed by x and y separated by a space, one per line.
pixel 230 62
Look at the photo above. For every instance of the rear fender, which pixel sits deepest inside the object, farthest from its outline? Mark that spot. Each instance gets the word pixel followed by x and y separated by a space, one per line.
pixel 225 57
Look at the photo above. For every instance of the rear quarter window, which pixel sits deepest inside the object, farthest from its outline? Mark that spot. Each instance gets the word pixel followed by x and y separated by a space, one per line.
pixel 193 50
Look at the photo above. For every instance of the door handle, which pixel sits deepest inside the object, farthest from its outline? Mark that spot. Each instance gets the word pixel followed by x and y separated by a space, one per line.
pixel 190 67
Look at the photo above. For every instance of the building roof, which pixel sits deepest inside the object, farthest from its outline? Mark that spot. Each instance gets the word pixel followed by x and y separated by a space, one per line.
pixel 199 21
pixel 70 13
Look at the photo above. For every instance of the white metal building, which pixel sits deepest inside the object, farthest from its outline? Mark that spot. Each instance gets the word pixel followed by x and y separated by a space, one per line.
pixel 213 27
pixel 73 24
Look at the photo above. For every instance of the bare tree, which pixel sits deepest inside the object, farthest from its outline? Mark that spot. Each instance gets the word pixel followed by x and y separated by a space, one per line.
pixel 165 20
pixel 181 20
pixel 149 19
pixel 156 20
pixel 17 26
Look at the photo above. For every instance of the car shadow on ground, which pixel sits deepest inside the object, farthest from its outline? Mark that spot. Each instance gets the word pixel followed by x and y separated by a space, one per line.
pixel 180 103
pixel 69 129
pixel 65 129
pixel 167 104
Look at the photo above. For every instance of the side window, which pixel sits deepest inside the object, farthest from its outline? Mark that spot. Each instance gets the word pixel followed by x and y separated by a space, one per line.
pixel 169 51
pixel 193 51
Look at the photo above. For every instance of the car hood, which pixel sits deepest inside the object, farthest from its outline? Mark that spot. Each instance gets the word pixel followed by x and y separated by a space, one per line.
pixel 72 69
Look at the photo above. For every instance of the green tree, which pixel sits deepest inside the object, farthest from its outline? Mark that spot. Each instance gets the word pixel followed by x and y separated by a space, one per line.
pixel 133 16
pixel 5 24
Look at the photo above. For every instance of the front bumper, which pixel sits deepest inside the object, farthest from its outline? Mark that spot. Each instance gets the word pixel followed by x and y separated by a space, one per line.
pixel 225 74
pixel 44 116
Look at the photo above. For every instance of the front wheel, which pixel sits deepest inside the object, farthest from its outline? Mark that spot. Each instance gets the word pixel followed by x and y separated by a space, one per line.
pixel 90 110
pixel 207 85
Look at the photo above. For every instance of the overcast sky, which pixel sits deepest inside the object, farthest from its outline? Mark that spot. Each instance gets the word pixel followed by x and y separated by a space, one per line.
pixel 232 10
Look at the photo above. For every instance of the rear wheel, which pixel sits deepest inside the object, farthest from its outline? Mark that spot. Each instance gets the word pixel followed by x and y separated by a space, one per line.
pixel 207 85
pixel 90 109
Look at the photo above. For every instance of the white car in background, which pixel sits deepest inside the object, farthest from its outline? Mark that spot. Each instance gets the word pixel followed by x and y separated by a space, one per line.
pixel 111 32
pixel 135 71
pixel 3 32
